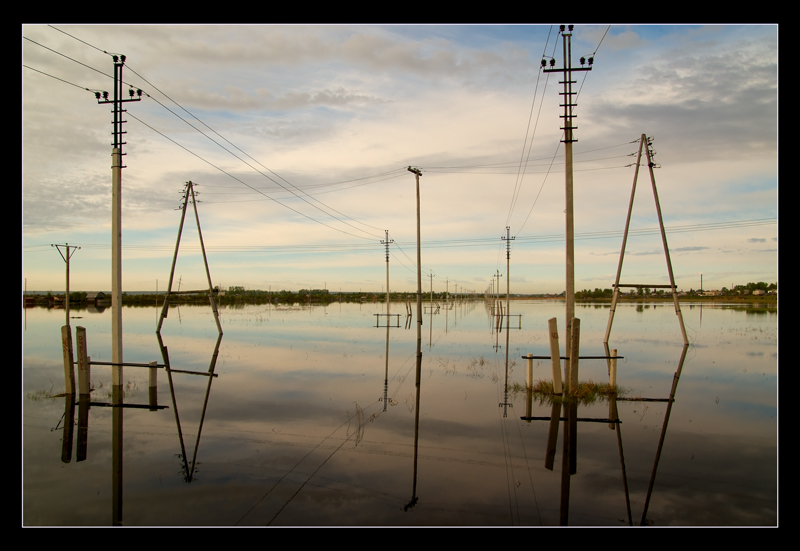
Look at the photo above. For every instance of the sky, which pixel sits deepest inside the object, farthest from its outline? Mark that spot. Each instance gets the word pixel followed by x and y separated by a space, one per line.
pixel 298 139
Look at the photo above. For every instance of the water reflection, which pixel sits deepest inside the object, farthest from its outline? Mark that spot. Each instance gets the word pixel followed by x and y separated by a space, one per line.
pixel 312 416
pixel 210 375
pixel 570 439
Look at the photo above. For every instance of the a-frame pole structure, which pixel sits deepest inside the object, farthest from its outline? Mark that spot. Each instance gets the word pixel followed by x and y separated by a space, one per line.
pixel 645 144
pixel 189 192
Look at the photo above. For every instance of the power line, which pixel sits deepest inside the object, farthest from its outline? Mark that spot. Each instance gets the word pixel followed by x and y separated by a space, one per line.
pixel 243 182
pixel 442 243
pixel 522 168
pixel 248 164
pixel 224 148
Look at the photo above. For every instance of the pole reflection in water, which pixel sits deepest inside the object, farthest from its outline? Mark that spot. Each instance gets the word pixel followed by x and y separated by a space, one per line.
pixel 189 470
pixel 280 444
pixel 116 452
pixel 386 373
pixel 672 391
pixel 414 498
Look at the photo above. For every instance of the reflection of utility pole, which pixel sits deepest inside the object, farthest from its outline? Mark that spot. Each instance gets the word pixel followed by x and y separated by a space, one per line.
pixel 497 291
pixel 116 212
pixel 66 258
pixel 568 104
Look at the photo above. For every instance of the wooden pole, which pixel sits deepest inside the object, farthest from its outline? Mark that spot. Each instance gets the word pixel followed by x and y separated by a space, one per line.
pixel 574 350
pixel 211 297
pixel 555 356
pixel 612 376
pixel 650 165
pixel 69 372
pixel 165 306
pixel 153 386
pixel 530 370
pixel 552 435
pixel 84 369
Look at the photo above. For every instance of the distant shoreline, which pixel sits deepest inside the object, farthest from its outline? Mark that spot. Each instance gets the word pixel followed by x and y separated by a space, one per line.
pixel 151 299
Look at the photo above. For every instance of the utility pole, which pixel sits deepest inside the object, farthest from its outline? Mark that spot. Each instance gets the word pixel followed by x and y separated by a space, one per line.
pixel 417 172
pixel 66 258
pixel 508 239
pixel 568 105
pixel 497 288
pixel 386 242
pixel 116 277
pixel 116 211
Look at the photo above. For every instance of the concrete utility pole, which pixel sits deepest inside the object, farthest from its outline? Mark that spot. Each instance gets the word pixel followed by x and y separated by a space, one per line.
pixel 508 240
pixel 568 104
pixel 66 258
pixel 116 212
pixel 386 242
pixel 417 172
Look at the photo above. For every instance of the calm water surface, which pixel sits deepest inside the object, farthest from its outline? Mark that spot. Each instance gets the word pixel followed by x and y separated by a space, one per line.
pixel 311 420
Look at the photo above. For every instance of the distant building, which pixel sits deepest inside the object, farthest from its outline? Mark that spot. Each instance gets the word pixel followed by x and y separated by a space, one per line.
pixel 97 296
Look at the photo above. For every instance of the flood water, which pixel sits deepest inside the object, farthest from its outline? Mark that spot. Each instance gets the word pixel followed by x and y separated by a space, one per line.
pixel 314 418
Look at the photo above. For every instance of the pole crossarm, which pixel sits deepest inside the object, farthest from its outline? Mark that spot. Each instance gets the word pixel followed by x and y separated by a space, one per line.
pixel 126 364
pixel 124 405
pixel 567 357
pixel 579 419
pixel 118 100
pixel 637 285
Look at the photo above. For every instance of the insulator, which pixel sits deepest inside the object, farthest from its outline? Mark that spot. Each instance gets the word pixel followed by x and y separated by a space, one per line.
pixel 544 63
pixel 591 60
pixel 105 95
pixel 115 58
pixel 97 95
pixel 583 60
pixel 130 92
pixel 562 27
pixel 552 63
pixel 122 58
pixel 139 92
pixel 571 27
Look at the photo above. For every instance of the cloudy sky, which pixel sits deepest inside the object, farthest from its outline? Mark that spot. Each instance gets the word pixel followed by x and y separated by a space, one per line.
pixel 299 139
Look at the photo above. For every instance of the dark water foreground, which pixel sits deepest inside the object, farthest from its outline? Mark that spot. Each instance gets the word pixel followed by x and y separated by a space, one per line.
pixel 310 422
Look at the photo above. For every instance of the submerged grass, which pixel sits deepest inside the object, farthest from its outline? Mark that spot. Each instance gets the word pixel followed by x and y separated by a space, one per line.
pixel 588 392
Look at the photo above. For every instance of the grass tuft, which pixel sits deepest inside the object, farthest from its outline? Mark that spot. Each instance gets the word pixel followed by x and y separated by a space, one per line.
pixel 588 392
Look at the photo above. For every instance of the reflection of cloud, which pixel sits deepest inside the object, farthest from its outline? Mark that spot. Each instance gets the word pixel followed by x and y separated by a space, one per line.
pixel 756 240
